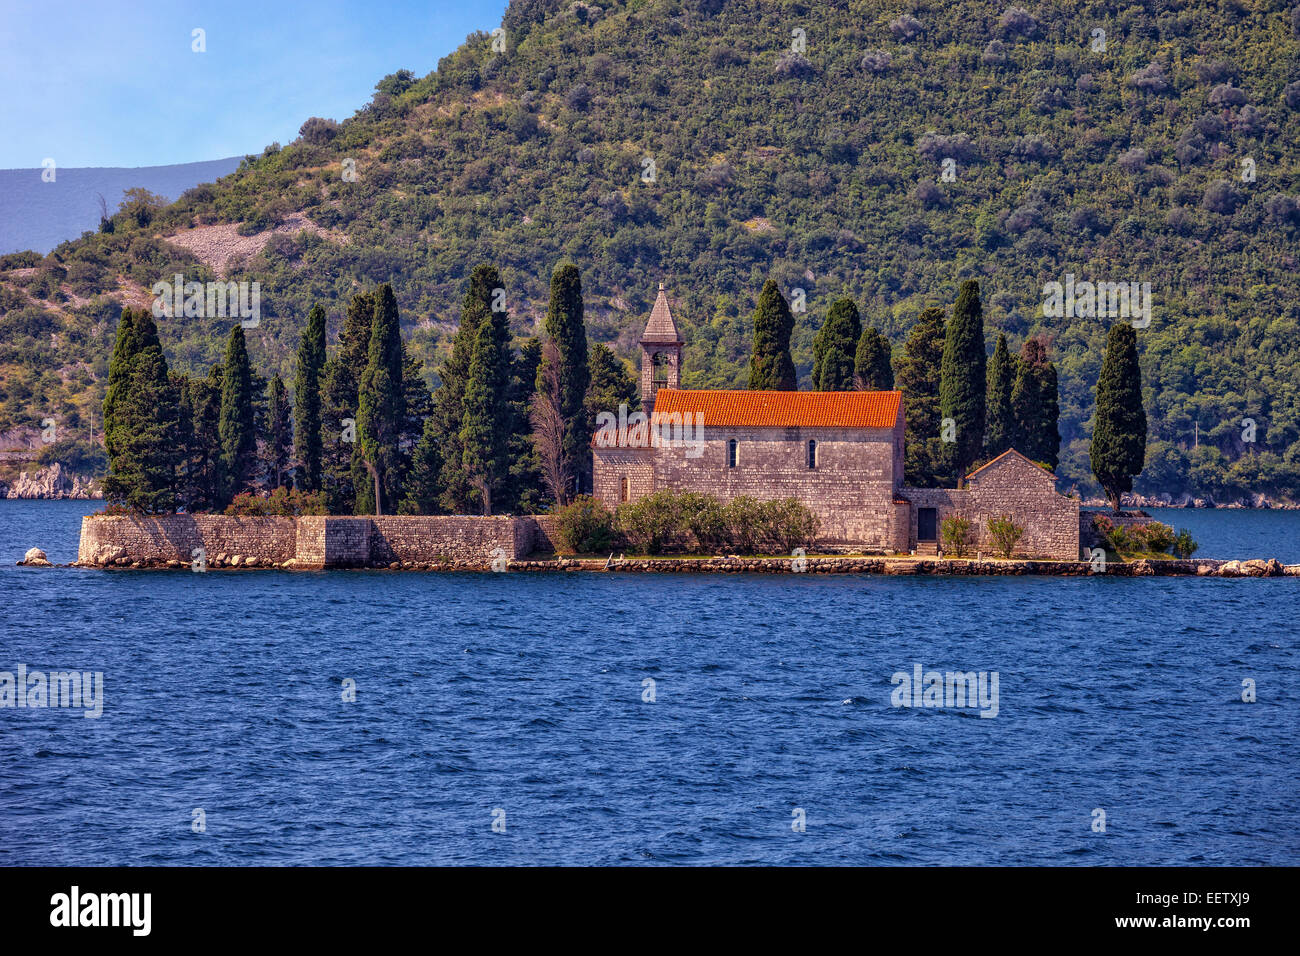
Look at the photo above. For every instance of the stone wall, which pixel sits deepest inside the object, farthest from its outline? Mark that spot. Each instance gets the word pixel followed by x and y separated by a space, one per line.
pixel 1016 488
pixel 851 489
pixel 546 533
pixel 311 542
pixel 175 537
pixel 611 465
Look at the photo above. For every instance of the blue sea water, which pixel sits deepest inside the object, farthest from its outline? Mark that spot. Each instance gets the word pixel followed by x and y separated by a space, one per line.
pixel 483 694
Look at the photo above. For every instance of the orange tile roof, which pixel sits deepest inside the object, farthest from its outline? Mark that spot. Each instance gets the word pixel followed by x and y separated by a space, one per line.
pixel 727 408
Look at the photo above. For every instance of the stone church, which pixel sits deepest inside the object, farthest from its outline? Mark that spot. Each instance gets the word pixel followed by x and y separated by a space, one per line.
pixel 840 453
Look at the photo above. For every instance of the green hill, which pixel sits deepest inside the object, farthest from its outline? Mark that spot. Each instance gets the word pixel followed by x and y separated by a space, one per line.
pixel 688 141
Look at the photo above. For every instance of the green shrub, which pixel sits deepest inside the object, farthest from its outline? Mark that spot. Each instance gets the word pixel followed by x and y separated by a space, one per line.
pixel 282 502
pixel 654 523
pixel 705 518
pixel 1155 537
pixel 1184 546
pixel 745 523
pixel 956 534
pixel 586 526
pixel 76 454
pixel 1006 534
pixel 788 524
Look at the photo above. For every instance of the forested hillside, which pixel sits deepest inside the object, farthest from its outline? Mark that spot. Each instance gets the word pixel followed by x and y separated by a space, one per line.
pixel 714 143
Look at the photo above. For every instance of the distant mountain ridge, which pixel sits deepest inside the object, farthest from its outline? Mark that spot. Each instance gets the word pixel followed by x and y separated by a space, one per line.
pixel 39 215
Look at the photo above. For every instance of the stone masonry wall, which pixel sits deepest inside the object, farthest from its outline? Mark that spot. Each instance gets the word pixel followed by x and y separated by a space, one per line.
pixel 174 537
pixel 611 465
pixel 1029 495
pixel 310 542
pixel 851 490
pixel 1018 489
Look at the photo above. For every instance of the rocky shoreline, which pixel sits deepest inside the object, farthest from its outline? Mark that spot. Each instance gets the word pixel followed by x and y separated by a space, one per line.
pixel 1254 568
pixel 52 482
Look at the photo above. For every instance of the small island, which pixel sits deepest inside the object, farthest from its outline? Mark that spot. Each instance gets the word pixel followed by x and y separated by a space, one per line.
pixel 553 456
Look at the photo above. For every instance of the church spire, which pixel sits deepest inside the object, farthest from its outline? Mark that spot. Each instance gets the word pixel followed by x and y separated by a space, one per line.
pixel 661 329
pixel 661 352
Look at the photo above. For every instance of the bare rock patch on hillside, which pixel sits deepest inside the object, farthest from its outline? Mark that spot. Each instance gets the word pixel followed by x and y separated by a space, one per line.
pixel 215 246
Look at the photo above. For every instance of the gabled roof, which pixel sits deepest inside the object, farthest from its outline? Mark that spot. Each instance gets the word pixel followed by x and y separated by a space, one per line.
pixel 726 408
pixel 1010 451
pixel 661 329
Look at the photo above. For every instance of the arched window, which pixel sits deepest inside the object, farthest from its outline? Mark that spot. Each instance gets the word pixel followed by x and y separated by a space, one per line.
pixel 625 489
pixel 812 453
pixel 733 453
pixel 660 368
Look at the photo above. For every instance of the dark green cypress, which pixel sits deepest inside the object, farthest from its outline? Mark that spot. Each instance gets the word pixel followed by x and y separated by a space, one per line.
pixel 482 440
pixel 771 367
pixel 307 401
pixel 1119 424
pixel 1035 406
pixel 146 453
pixel 381 404
pixel 423 488
pixel 612 385
pixel 339 456
pixel 205 458
pixel 918 380
pixel 999 433
pixel 119 377
pixel 458 496
pixel 963 380
pixel 872 369
pixel 236 425
pixel 523 492
pixel 835 348
pixel 566 327
pixel 277 439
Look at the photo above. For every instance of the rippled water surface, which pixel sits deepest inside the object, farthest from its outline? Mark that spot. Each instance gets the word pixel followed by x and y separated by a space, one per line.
pixel 524 694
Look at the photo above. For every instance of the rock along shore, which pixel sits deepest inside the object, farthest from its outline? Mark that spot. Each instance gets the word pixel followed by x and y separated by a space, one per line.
pixel 740 565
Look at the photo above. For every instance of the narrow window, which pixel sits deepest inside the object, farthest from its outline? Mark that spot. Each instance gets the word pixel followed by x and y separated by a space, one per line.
pixel 659 365
pixel 733 453
pixel 625 489
pixel 812 453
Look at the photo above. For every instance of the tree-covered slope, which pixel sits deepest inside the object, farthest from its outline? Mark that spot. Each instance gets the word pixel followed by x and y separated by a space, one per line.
pixel 689 141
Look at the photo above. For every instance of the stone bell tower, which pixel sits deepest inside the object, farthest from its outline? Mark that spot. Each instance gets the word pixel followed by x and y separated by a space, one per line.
pixel 661 352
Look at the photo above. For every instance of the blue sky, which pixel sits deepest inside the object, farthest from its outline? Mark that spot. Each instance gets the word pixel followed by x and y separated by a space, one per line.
pixel 115 83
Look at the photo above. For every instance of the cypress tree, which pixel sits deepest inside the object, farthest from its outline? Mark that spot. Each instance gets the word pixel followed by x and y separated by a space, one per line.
pixel 918 380
pixel 523 488
pixel 236 425
pixel 119 378
pixel 448 411
pixel 339 403
pixel 482 439
pixel 278 435
pixel 143 466
pixel 871 366
pixel 1119 424
pixel 771 366
pixel 835 348
pixel 417 405
pixel 381 404
pixel 204 459
pixel 183 387
pixel 566 327
pixel 423 488
pixel 307 401
pixel 612 385
pixel 1000 425
pixel 962 379
pixel 1034 405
